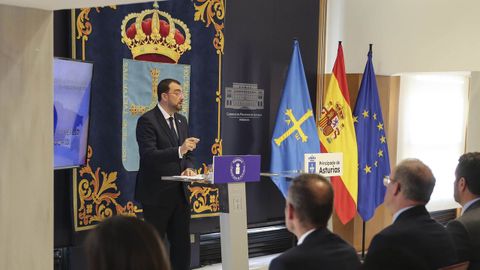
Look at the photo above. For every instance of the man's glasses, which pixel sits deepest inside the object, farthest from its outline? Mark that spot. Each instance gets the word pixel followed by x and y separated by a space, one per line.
pixel 178 94
pixel 387 180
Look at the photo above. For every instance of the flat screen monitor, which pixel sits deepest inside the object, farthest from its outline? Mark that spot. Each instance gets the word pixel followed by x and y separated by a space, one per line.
pixel 71 107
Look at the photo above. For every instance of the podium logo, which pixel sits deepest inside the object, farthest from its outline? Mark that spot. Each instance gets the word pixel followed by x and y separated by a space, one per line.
pixel 237 169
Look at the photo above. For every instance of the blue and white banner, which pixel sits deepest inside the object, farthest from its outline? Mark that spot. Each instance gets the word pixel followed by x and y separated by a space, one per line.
pixel 140 80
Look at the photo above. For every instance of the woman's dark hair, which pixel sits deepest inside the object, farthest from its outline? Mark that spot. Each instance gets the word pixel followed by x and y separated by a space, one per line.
pixel 125 243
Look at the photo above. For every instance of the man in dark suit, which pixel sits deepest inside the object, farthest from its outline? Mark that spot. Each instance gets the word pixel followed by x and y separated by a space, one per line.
pixel 307 211
pixel 414 238
pixel 465 230
pixel 164 146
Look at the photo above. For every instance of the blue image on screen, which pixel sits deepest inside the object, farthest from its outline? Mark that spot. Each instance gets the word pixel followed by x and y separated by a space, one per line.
pixel 71 106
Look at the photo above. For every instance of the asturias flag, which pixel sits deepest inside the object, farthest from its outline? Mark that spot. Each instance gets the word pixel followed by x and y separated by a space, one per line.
pixel 373 160
pixel 338 135
pixel 295 133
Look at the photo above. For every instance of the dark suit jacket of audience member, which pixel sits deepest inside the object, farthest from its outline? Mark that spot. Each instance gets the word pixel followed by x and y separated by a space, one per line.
pixel 465 232
pixel 414 236
pixel 159 157
pixel 320 250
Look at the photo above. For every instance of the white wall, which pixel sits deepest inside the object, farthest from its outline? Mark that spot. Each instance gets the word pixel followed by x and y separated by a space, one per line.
pixel 335 31
pixel 473 123
pixel 408 35
pixel 26 127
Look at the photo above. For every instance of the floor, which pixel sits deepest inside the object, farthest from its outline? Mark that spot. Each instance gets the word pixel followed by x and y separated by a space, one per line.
pixel 257 263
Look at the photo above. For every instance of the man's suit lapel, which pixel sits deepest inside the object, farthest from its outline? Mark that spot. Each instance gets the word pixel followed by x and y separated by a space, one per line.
pixel 164 126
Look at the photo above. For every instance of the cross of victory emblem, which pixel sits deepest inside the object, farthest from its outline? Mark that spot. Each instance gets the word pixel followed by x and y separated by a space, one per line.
pixel 296 127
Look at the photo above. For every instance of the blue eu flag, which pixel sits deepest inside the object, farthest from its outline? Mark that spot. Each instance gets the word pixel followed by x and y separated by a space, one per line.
pixel 373 161
pixel 295 132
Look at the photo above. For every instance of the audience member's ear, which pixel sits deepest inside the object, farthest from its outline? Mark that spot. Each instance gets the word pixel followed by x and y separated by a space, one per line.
pixel 462 184
pixel 290 211
pixel 397 188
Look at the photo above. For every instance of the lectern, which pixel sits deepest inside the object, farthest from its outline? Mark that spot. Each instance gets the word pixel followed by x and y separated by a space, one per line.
pixel 235 171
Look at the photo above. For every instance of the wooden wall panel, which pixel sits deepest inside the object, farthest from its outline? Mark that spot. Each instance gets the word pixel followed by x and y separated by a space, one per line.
pixel 388 88
pixel 26 155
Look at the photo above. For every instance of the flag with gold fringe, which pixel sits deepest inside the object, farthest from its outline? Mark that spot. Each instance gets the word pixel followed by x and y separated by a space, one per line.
pixel 337 134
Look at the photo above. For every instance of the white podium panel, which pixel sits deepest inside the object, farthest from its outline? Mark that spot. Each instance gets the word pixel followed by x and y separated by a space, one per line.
pixel 233 230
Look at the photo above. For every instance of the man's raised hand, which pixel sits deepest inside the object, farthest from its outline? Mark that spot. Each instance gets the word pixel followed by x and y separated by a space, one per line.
pixel 189 145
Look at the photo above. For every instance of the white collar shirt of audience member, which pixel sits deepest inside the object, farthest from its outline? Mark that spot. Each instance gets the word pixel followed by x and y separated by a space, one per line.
pixel 302 238
pixel 401 211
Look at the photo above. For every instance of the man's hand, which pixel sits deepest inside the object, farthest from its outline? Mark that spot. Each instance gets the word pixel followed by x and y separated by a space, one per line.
pixel 189 172
pixel 189 145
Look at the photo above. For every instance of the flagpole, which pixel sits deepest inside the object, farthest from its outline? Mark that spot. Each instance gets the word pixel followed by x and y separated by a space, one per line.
pixel 363 238
pixel 364 223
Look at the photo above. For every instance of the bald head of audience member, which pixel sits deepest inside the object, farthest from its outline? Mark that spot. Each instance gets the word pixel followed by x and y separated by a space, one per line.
pixel 411 183
pixel 467 178
pixel 309 203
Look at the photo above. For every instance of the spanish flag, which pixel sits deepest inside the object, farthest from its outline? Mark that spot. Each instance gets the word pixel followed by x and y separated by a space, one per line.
pixel 337 134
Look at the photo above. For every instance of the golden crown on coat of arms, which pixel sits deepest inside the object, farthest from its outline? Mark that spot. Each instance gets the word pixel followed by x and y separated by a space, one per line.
pixel 153 35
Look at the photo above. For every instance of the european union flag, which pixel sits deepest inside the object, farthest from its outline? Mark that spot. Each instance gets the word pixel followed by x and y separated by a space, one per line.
pixel 373 161
pixel 295 132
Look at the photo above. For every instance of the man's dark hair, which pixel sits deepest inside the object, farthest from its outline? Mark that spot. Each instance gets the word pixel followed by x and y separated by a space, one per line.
pixel 312 203
pixel 163 86
pixel 416 180
pixel 469 168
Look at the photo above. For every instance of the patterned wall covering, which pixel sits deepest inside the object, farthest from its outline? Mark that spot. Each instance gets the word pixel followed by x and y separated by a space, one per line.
pixel 103 35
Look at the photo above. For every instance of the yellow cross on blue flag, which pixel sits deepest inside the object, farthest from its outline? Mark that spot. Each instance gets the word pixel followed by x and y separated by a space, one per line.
pixel 295 133
pixel 373 161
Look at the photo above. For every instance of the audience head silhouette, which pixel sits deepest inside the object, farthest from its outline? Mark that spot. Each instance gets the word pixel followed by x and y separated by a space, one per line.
pixel 309 203
pixel 467 178
pixel 411 183
pixel 125 243
pixel 308 208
